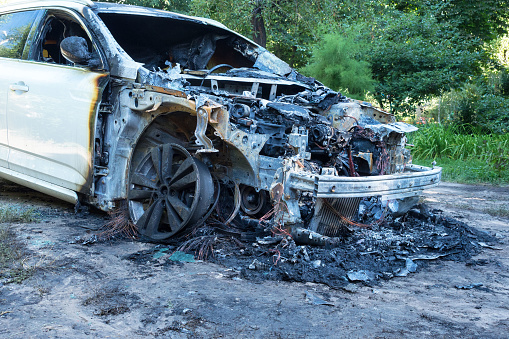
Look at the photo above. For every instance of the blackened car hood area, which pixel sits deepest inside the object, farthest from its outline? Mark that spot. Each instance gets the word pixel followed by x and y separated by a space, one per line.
pixel 192 43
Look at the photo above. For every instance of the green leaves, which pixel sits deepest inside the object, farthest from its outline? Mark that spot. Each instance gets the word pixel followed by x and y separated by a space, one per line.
pixel 414 57
pixel 484 20
pixel 291 26
pixel 335 62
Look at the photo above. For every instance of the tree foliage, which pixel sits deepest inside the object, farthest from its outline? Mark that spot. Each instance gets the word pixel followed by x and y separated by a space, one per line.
pixel 415 57
pixel 291 26
pixel 485 20
pixel 335 62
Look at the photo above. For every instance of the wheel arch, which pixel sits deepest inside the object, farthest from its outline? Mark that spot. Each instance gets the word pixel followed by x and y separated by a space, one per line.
pixel 142 119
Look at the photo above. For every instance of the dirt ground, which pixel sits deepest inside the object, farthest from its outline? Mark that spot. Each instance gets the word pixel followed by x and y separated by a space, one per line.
pixel 103 290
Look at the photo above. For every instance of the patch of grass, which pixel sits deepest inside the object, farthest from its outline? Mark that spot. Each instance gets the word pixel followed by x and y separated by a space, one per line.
pixel 465 207
pixel 439 141
pixel 17 213
pixel 13 257
pixel 465 154
pixel 467 171
pixel 10 249
pixel 499 211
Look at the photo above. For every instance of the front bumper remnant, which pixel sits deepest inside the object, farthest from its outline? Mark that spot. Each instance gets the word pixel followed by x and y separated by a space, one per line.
pixel 409 183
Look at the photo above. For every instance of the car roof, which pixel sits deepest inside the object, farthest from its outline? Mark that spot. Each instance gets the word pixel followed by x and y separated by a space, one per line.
pixel 105 7
pixel 28 4
pixel 21 2
pixel 108 7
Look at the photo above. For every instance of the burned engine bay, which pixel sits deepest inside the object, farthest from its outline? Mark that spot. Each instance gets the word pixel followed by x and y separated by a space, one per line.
pixel 210 122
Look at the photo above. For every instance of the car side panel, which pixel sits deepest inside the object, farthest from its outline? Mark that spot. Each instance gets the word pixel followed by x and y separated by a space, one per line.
pixel 52 124
pixel 4 87
pixel 23 26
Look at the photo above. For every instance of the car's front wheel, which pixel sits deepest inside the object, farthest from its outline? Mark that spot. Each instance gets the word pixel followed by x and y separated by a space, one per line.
pixel 169 190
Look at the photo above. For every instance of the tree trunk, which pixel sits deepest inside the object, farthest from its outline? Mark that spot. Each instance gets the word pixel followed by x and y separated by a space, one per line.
pixel 259 34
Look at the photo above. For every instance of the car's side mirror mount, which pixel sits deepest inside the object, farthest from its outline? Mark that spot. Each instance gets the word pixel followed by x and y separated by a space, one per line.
pixel 75 49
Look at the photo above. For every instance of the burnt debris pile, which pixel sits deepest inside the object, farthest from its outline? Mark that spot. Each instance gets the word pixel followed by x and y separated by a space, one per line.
pixel 392 247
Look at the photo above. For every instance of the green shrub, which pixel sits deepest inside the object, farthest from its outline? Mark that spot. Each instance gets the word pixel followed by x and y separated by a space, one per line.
pixel 480 105
pixel 334 62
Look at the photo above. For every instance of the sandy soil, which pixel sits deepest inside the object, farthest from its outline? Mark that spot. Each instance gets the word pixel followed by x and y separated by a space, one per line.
pixel 102 290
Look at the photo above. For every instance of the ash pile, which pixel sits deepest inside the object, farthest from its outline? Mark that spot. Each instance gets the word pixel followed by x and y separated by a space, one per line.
pixel 375 245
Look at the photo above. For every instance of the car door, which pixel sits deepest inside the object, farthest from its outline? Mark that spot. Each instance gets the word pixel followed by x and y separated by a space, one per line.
pixel 14 30
pixel 51 111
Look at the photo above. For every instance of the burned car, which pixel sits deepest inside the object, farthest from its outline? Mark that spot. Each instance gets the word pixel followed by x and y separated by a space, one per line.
pixel 105 103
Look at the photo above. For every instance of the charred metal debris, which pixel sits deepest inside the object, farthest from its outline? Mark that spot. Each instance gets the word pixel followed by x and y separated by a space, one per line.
pixel 397 247
pixel 189 118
